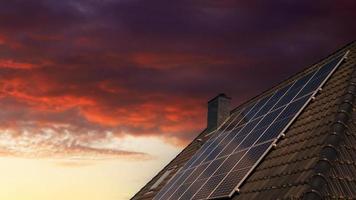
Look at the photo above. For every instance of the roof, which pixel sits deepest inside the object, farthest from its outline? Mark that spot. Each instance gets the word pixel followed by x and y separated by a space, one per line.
pixel 317 157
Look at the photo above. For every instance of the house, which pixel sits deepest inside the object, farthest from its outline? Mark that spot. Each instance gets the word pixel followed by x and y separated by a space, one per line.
pixel 312 155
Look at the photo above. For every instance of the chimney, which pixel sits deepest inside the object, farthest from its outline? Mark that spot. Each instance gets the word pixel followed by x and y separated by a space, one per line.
pixel 218 111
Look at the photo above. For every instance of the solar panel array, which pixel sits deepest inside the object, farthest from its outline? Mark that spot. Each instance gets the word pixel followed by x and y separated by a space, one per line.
pixel 228 157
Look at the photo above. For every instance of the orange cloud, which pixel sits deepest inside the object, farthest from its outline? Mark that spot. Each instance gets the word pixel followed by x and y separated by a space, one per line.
pixel 154 116
pixel 161 117
pixel 42 118
pixel 31 91
pixel 102 70
pixel 9 63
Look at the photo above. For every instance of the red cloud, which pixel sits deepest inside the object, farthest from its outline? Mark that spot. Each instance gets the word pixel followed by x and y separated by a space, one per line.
pixel 151 118
pixel 125 68
pixel 9 63
pixel 43 104
pixel 32 92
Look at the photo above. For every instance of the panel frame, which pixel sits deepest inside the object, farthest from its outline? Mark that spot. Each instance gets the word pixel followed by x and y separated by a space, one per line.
pixel 214 137
pixel 313 94
pixel 252 118
pixel 292 83
pixel 241 111
pixel 188 167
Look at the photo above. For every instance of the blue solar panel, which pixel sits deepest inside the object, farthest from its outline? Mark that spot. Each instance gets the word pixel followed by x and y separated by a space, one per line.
pixel 228 157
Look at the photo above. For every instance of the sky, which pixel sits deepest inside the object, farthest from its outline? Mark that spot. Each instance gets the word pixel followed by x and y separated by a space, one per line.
pixel 96 96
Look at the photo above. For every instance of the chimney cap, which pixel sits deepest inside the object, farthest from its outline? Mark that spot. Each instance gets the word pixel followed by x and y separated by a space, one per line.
pixel 221 95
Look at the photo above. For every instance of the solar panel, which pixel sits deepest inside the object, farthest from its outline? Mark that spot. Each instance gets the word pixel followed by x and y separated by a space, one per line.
pixel 228 157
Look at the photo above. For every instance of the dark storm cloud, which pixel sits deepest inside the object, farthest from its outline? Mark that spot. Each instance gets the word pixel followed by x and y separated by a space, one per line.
pixel 148 67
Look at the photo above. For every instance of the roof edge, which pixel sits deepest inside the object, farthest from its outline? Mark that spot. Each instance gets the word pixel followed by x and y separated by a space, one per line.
pixel 203 134
pixel 292 77
pixel 329 151
pixel 170 162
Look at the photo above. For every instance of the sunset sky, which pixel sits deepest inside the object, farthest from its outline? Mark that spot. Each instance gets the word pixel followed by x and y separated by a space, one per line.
pixel 96 96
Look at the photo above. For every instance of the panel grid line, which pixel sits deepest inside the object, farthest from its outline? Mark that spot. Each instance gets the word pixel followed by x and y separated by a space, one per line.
pixel 252 118
pixel 249 134
pixel 287 126
pixel 256 103
pixel 217 137
pixel 244 139
pixel 216 146
pixel 185 170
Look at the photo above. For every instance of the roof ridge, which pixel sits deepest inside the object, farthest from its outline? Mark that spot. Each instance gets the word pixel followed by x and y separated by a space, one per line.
pixel 329 151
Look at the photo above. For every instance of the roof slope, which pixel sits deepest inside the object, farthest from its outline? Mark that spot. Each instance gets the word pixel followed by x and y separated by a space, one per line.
pixel 290 170
pixel 147 192
pixel 316 159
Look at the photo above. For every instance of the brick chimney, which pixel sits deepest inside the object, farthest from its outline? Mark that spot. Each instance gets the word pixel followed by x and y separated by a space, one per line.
pixel 218 111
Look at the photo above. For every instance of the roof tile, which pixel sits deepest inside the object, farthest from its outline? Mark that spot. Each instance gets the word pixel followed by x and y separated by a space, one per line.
pixel 289 169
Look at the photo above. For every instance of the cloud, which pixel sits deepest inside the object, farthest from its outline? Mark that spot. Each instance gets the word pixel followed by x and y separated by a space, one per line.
pixel 146 68
pixel 59 142
pixel 14 64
